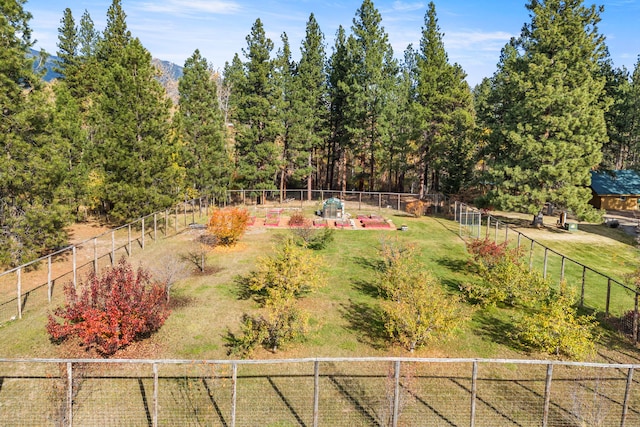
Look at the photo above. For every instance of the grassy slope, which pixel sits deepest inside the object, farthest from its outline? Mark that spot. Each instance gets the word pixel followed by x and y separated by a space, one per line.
pixel 343 313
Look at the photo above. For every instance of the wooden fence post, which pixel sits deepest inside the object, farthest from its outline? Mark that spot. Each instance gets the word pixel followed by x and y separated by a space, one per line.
pixel 234 393
pixel 49 282
pixel 69 394
pixel 129 239
pixel 627 395
pixel 547 395
pixel 316 392
pixel 74 257
pixel 95 255
pixel 606 314
pixel 635 318
pixel 584 274
pixel 474 392
pixel 155 395
pixel 19 286
pixel 396 394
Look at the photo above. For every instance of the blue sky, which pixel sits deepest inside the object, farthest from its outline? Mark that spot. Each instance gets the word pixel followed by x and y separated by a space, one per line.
pixel 475 30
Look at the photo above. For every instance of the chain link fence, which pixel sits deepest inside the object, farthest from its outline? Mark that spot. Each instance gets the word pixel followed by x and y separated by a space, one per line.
pixel 317 392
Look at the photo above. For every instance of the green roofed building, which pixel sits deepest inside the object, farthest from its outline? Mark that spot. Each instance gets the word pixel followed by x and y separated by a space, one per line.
pixel 615 189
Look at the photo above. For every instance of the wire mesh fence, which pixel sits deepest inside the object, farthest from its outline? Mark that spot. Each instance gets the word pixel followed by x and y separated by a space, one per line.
pixel 34 284
pixel 317 392
pixel 597 291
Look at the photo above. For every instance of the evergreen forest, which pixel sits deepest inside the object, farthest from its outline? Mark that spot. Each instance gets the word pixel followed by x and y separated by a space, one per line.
pixel 108 138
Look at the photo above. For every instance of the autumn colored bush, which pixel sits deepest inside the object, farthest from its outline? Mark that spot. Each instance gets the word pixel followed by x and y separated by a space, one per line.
pixel 504 278
pixel 228 225
pixel 416 208
pixel 298 219
pixel 112 310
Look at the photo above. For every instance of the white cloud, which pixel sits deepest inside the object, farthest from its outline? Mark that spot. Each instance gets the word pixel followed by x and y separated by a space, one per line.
pixel 188 7
pixel 401 6
pixel 476 40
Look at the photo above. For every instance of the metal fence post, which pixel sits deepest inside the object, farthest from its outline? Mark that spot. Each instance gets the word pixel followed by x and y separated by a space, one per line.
pixel 562 269
pixel 129 239
pixel 316 392
pixel 544 270
pixel 166 222
pixel 547 395
pixel 396 394
pixel 142 233
pixel 533 242
pixel 155 227
pixel 175 223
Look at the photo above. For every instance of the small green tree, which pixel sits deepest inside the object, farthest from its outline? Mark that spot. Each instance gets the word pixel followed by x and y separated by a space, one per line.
pixel 416 308
pixel 277 284
pixel 504 277
pixel 290 273
pixel 557 328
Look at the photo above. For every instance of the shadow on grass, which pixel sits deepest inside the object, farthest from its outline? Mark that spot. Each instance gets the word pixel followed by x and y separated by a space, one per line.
pixel 367 321
pixel 608 232
pixel 375 264
pixel 497 330
pixel 367 288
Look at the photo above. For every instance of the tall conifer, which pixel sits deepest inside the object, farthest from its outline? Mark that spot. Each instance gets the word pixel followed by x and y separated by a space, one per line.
pixel 549 122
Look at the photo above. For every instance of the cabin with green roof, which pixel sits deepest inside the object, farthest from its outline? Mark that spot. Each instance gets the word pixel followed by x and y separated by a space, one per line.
pixel 615 189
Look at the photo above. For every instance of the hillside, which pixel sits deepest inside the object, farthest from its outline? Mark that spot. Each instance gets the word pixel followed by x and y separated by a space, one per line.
pixel 170 71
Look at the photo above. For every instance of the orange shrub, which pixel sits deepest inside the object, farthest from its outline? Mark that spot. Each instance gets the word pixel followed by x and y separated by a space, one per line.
pixel 416 208
pixel 228 225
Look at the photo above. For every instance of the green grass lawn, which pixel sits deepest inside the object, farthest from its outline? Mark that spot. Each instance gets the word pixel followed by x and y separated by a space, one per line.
pixel 344 313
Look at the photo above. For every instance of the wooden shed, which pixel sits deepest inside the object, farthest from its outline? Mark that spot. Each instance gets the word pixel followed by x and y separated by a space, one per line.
pixel 615 189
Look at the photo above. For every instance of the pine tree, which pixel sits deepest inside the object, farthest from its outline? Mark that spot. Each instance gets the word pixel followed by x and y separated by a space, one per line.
pixel 617 152
pixel 31 216
pixel 338 141
pixel 257 153
pixel 284 72
pixel 67 45
pixel 309 103
pixel 368 84
pixel 444 114
pixel 136 169
pixel 549 124
pixel 201 129
pixel 88 37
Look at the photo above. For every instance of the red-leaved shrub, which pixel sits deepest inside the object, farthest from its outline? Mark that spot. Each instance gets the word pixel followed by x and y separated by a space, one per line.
pixel 112 310
pixel 228 225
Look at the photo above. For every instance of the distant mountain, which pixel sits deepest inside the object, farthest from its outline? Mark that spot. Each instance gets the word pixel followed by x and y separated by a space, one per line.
pixel 170 71
pixel 47 65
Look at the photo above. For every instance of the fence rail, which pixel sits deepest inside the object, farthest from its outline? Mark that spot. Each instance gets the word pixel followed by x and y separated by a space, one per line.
pixel 598 291
pixel 387 391
pixel 34 282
